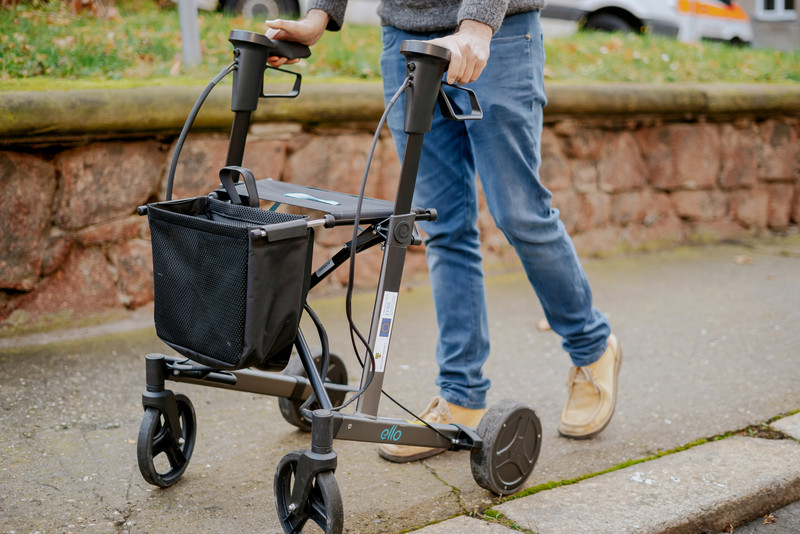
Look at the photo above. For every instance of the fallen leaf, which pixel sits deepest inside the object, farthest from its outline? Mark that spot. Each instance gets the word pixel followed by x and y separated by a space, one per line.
pixel 769 519
pixel 743 260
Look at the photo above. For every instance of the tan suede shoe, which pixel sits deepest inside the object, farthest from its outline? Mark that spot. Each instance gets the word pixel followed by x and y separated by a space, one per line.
pixel 592 395
pixel 438 411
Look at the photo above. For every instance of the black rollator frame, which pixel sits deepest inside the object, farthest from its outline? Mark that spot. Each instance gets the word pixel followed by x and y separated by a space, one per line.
pixel 504 447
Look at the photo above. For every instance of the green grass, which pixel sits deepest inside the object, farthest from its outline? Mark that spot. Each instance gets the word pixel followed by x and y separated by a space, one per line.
pixel 44 45
pixel 47 41
pixel 644 58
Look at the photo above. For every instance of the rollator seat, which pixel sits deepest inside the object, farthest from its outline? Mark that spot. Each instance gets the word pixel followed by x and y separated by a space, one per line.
pixel 341 206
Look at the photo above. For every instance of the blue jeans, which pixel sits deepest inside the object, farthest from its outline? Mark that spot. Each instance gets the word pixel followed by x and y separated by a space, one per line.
pixel 504 149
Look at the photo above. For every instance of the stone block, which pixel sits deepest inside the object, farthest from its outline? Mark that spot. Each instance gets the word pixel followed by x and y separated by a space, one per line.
pixel 83 286
pixel 95 176
pixel 740 149
pixel 114 231
pixel 594 211
pixel 780 153
pixel 621 167
pixel 265 158
pixel 654 143
pixel 796 204
pixel 697 152
pixel 598 241
pixel 584 176
pixel 664 231
pixel 780 205
pixel 659 207
pixel 639 207
pixel 332 162
pixel 197 171
pixel 555 172
pixel 682 156
pixel 751 207
pixel 385 171
pixel 27 190
pixel 583 143
pixel 57 249
pixel 133 265
pixel 700 205
pixel 716 231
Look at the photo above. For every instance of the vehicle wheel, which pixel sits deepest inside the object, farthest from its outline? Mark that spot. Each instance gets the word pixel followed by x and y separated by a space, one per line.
pixel 609 23
pixel 264 9
pixel 512 438
pixel 324 505
pixel 337 374
pixel 161 462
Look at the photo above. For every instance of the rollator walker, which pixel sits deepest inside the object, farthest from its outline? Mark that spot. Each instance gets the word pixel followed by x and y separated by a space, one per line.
pixel 231 282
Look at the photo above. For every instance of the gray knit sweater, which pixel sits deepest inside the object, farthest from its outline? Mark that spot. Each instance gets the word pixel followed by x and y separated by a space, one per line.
pixel 432 15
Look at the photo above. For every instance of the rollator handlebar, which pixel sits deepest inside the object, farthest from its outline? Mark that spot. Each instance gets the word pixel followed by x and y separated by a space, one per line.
pixel 251 51
pixel 426 64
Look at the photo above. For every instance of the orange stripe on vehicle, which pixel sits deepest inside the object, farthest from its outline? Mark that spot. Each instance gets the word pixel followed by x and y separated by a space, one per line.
pixel 712 9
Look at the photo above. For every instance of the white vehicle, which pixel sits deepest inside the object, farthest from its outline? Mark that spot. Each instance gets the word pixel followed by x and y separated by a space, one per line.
pixel 718 20
pixel 688 20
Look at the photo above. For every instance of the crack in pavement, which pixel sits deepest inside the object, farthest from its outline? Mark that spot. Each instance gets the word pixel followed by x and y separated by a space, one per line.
pixel 454 490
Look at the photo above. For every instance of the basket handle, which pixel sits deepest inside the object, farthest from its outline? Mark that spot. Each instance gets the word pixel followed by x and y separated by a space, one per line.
pixel 226 175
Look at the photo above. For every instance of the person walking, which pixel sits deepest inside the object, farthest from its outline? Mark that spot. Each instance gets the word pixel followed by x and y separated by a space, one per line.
pixel 496 48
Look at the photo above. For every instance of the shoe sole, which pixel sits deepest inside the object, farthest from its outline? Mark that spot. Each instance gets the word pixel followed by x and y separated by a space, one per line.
pixel 617 367
pixel 410 458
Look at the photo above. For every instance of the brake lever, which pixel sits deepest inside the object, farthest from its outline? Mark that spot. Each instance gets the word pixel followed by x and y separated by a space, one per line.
pixel 448 107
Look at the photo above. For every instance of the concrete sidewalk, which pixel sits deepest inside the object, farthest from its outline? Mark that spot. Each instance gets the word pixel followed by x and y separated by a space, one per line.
pixel 711 344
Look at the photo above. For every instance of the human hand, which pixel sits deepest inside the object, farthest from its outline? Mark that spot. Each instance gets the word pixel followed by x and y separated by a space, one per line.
pixel 307 31
pixel 469 51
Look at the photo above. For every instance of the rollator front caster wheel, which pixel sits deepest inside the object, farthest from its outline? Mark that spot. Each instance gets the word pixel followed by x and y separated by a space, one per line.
pixel 324 505
pixel 512 438
pixel 161 461
pixel 337 374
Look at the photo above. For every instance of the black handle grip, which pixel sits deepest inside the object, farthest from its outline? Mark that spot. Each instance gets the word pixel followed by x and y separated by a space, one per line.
pixel 289 49
pixel 426 63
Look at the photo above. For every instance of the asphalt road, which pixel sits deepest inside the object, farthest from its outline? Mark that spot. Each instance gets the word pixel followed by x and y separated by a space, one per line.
pixel 710 338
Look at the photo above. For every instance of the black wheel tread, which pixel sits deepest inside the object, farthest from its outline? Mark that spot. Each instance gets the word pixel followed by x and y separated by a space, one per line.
pixel 154 439
pixel 324 506
pixel 509 453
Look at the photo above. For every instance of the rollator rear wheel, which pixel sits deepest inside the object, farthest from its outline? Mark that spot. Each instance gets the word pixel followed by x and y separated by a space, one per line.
pixel 337 374
pixel 512 438
pixel 322 512
pixel 161 462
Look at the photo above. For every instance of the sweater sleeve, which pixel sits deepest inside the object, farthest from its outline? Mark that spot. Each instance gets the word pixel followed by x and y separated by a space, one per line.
pixel 489 12
pixel 335 10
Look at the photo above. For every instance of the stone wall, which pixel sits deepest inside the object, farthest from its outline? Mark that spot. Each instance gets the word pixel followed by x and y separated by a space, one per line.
pixel 72 244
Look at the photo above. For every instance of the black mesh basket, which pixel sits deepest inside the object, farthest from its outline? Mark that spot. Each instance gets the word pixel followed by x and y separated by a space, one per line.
pixel 224 298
